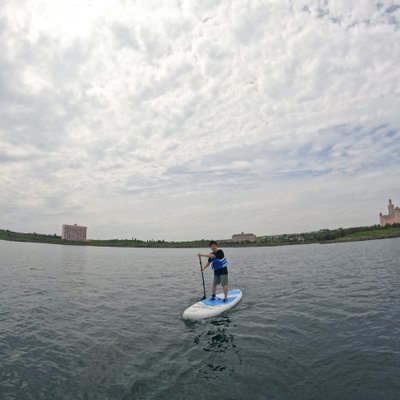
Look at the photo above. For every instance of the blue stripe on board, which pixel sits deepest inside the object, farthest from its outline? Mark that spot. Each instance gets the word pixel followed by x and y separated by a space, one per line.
pixel 232 295
pixel 218 301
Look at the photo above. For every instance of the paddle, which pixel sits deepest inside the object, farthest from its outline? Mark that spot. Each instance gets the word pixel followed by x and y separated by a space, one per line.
pixel 202 276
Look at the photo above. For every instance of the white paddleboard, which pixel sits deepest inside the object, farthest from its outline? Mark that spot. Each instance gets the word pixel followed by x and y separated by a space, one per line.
pixel 208 308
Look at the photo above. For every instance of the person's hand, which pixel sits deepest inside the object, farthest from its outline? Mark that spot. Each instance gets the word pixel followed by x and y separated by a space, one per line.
pixel 199 255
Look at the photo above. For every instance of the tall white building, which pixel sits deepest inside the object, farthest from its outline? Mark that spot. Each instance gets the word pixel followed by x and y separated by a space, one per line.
pixel 73 232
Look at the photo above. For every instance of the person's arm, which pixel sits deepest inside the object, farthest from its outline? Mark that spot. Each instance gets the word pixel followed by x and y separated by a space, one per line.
pixel 206 266
pixel 211 255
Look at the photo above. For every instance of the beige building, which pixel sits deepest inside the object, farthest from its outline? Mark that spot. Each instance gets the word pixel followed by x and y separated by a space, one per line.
pixel 73 232
pixel 392 218
pixel 244 237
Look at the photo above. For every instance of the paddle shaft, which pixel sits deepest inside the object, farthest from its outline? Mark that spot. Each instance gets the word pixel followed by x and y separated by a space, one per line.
pixel 202 276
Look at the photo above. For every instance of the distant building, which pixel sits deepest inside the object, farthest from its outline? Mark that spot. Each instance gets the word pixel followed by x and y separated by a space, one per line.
pixel 73 232
pixel 244 237
pixel 392 218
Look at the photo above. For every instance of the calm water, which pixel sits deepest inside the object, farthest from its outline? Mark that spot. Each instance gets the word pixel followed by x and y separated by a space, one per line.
pixel 316 322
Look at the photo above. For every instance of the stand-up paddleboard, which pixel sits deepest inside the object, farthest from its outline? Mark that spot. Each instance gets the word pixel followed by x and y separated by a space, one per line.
pixel 210 308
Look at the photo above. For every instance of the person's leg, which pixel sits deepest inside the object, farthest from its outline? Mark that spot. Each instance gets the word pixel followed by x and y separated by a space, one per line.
pixel 224 282
pixel 225 287
pixel 214 286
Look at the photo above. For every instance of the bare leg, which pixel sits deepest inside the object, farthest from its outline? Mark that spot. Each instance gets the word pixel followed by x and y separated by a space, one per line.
pixel 214 289
pixel 225 287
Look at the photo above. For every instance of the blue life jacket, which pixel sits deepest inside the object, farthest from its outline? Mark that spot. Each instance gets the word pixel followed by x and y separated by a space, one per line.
pixel 217 264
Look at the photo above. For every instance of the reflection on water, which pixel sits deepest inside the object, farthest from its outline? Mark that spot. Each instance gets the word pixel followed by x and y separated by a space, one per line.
pixel 215 337
pixel 218 338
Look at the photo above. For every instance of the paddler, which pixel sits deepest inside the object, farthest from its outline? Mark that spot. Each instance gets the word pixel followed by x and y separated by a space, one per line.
pixel 219 264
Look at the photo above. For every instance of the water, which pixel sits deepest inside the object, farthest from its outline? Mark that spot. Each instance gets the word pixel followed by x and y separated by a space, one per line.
pixel 315 322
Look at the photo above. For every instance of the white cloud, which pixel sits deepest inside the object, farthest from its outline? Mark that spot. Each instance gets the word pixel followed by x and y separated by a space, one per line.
pixel 144 119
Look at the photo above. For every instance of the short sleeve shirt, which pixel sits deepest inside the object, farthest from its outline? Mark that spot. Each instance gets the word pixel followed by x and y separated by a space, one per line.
pixel 218 254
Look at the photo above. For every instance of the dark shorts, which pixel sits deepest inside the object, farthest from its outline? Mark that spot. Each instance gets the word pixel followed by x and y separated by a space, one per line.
pixel 221 279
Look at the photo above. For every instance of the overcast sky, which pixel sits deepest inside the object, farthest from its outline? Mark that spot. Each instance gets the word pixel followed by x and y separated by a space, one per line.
pixel 195 119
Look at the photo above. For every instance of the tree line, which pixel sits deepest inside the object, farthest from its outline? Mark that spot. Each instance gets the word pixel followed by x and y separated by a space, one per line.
pixel 321 236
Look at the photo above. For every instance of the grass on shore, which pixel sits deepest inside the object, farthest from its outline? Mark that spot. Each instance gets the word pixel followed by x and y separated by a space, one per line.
pixel 323 236
pixel 392 231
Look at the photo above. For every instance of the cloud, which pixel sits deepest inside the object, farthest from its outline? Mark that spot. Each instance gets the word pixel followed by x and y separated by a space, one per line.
pixel 148 118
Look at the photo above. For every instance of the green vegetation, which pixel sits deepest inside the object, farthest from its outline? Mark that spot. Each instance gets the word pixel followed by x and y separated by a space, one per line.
pixel 376 232
pixel 54 239
pixel 321 236
pixel 335 235
pixel 29 237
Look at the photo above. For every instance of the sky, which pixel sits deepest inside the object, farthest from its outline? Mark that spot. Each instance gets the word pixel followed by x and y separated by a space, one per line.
pixel 184 119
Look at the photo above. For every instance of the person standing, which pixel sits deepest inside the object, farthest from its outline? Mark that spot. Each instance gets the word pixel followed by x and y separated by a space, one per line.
pixel 219 264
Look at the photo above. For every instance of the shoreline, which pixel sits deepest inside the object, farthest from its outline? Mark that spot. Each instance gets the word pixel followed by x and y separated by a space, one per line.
pixel 361 239
pixel 161 244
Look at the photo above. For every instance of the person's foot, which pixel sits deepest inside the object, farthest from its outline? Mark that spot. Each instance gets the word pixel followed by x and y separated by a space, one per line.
pixel 225 300
pixel 213 297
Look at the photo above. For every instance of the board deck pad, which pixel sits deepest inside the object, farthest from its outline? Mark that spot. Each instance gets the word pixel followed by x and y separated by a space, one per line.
pixel 208 308
pixel 232 294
